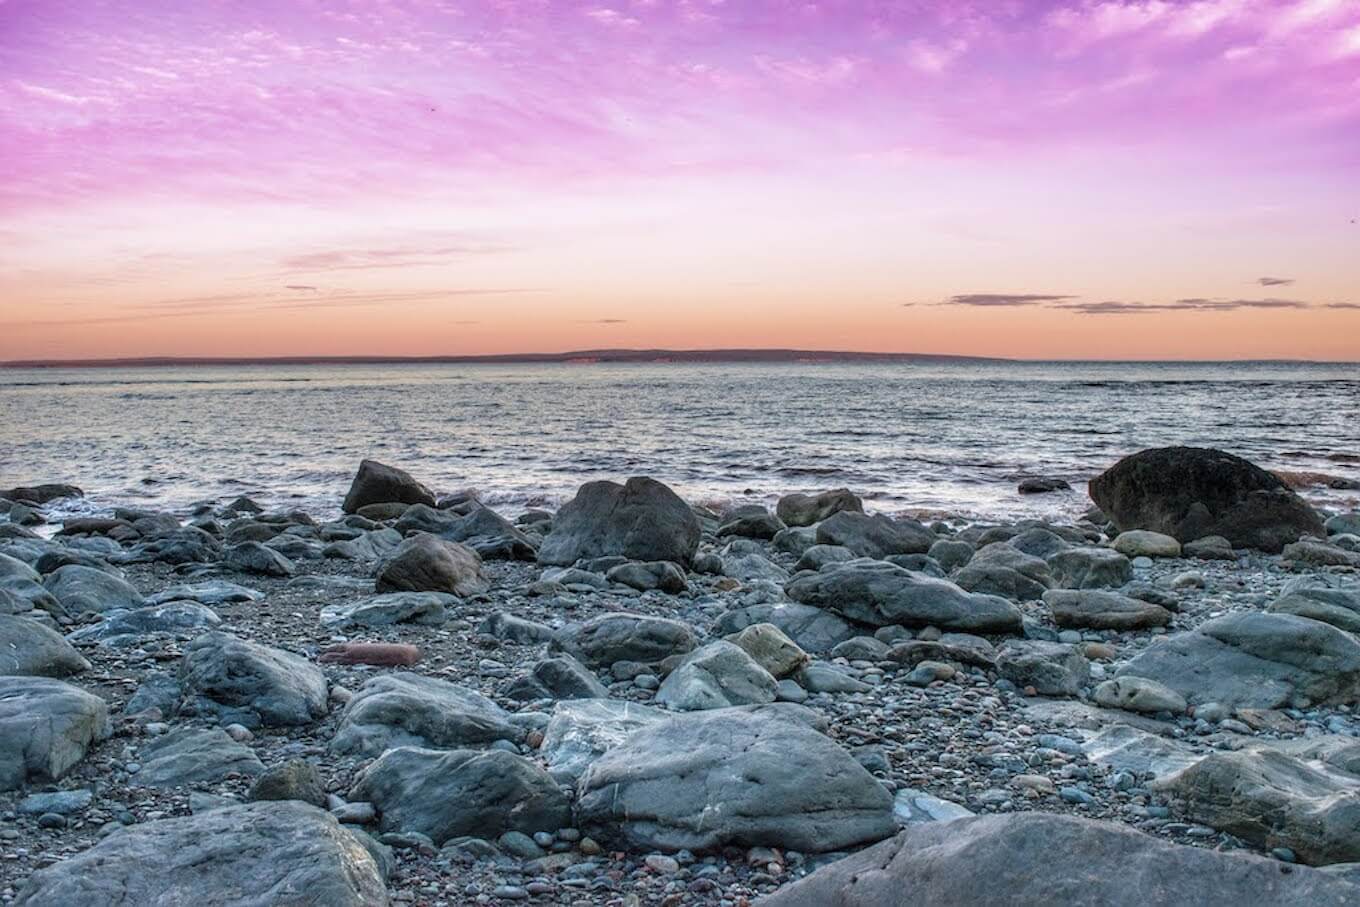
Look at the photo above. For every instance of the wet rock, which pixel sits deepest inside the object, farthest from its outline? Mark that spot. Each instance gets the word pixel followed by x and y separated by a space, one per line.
pixel 253 557
pixel 42 494
pixel 209 592
pixel 28 648
pixel 716 676
pixel 46 725
pixel 444 794
pixel 1096 610
pixel 427 563
pixel 641 520
pixel 412 710
pixel 1038 859
pixel 1042 485
pixel 128 628
pixel 880 594
pixel 250 684
pixel 260 853
pixel 376 483
pixel 619 636
pixel 425 608
pixel 874 536
pixel 725 776
pixel 1188 493
pixel 806 510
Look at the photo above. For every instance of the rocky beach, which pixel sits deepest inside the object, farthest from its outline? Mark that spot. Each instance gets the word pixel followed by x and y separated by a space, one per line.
pixel 639 700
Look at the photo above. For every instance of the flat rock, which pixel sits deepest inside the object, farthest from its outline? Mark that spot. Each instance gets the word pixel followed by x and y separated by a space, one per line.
pixel 249 683
pixel 1138 694
pixel 29 648
pixel 209 592
pixel 1326 597
pixel 413 710
pixel 124 628
pixel 727 776
pixel 641 520
pixel 620 636
pixel 1127 749
pixel 582 730
pixel 1098 610
pixel 253 855
pixel 875 536
pixel 1042 859
pixel 192 756
pixel 425 608
pixel 46 725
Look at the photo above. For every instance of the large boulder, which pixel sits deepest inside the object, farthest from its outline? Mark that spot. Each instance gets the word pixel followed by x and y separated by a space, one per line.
pixel 619 636
pixel 194 755
pixel 413 710
pixel 427 563
pixel 882 594
pixel 128 628
pixel 874 536
pixel 582 730
pixel 448 793
pixel 1191 492
pixel 1271 799
pixel 1256 660
pixel 716 676
pixel 807 509
pixel 1089 568
pixel 29 648
pixel 41 494
pixel 641 520
pixel 376 483
pixel 80 589
pixel 1323 596
pixel 46 726
pixel 483 530
pixel 1097 610
pixel 813 629
pixel 731 776
pixel 1041 859
pixel 249 683
pixel 254 855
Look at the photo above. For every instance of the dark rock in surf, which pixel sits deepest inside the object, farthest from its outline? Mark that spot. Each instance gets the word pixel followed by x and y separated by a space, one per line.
pixel 377 483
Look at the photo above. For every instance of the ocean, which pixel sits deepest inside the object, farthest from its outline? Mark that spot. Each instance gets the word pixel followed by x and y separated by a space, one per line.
pixel 947 439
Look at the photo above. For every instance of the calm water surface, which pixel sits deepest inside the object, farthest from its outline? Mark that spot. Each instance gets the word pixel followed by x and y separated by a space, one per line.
pixel 952 438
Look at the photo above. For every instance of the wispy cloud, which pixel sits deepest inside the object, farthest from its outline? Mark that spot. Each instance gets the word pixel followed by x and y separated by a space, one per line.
pixel 603 321
pixel 1275 281
pixel 413 256
pixel 987 300
pixel 1195 304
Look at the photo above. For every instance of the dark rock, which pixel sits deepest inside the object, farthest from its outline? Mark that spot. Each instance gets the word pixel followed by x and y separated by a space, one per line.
pixel 874 536
pixel 296 779
pixel 253 557
pixel 188 756
pixel 81 589
pixel 663 575
pixel 42 494
pixel 1051 668
pixel 1086 608
pixel 1042 485
pixel 412 710
pixel 1090 568
pixel 46 726
pixel 249 683
pixel 427 563
pixel 805 510
pixel 28 648
pixel 641 520
pixel 619 636
pixel 376 483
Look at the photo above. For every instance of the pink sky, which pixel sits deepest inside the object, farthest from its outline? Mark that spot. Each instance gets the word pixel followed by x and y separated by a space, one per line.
pixel 1072 179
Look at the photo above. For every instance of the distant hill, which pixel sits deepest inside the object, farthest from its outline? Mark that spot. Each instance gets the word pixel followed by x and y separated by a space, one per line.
pixel 574 356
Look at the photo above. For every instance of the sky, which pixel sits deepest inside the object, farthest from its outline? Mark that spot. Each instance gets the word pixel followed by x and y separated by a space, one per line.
pixel 1022 178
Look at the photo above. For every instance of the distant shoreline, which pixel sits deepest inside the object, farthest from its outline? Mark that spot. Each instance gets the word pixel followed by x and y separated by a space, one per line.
pixel 610 356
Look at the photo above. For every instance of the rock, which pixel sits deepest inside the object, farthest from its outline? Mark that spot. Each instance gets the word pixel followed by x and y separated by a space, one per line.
pixel 46 726
pixel 194 756
pixel 158 690
pixel 250 684
pixel 390 510
pixel 81 589
pixel 1188 493
pixel 128 628
pixel 805 510
pixel 30 649
pixel 411 710
pixel 1040 859
pixel 619 636
pixel 1090 568
pixel 296 779
pixel 1321 554
pixel 210 592
pixel 874 536
pixel 916 807
pixel 1042 485
pixel 771 649
pixel 1051 668
pixel 663 575
pixel 256 854
pixel 376 483
pixel 751 568
pixel 996 579
pixel 380 654
pixel 562 677
pixel 1325 597
pixel 1096 610
pixel 62 802
pixel 1256 660
pixel 444 794
pixel 751 522
pixel 483 530
pixel 1209 548
pixel 880 594
pixel 641 520
pixel 253 557
pixel 954 647
pixel 427 563
pixel 1270 799
pixel 1145 543
pixel 727 777
pixel 716 676
pixel 1138 694
pixel 425 608
pixel 582 730
pixel 818 677
pixel 1139 753
pixel 514 629
pixel 1003 554
pixel 1343 524
pixel 42 494
pixel 813 629
pixel 816 557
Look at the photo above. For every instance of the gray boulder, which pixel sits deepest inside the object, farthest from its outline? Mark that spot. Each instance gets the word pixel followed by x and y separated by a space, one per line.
pixel 996 579
pixel 445 794
pixel 753 778
pixel 1326 597
pixel 394 710
pixel 582 730
pixel 1051 668
pixel 193 756
pixel 1090 568
pixel 641 520
pixel 125 628
pixel 483 530
pixel 813 629
pixel 81 589
pixel 1273 800
pixel 951 554
pixel 818 556
pixel 562 677
pixel 1138 694
pixel 376 483
pixel 427 563
pixel 296 779
pixel 882 594
pixel 751 522
pixel 1255 660
pixel 805 509
pixel 647 575
pixel 253 855
pixel 29 648
pixel 254 557
pixel 46 726
pixel 1321 554
pixel 1042 859
pixel 874 536
pixel 245 682
pixel 425 608
pixel 1097 610
pixel 619 636
pixel 716 676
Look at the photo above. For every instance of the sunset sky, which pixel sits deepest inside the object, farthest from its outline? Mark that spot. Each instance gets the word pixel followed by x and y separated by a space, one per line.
pixel 1140 179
